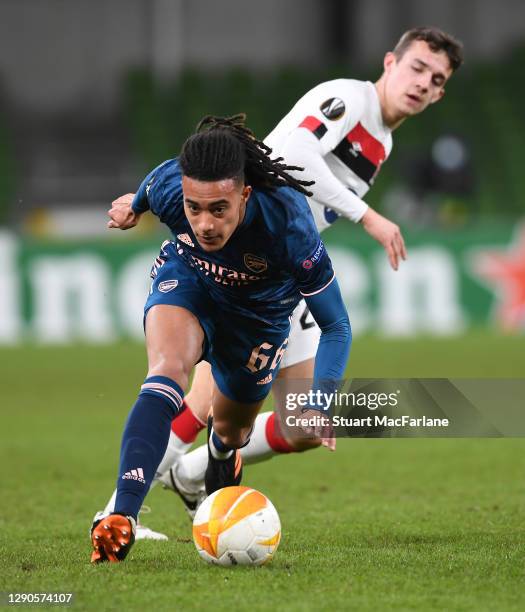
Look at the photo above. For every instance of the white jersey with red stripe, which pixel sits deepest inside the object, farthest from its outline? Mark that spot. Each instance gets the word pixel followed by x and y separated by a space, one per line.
pixel 336 132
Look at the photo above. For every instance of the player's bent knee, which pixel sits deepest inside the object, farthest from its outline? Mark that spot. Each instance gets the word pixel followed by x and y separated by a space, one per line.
pixel 171 367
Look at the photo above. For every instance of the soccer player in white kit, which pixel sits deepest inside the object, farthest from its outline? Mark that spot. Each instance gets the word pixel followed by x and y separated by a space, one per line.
pixel 341 133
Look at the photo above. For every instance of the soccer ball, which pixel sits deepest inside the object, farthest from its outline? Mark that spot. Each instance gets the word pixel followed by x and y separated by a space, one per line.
pixel 236 526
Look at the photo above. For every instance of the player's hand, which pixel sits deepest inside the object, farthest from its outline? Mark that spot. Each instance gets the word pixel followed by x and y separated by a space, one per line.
pixel 121 215
pixel 387 234
pixel 322 428
pixel 329 443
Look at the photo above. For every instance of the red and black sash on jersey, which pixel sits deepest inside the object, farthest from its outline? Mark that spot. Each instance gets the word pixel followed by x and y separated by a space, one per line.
pixel 358 150
pixel 318 128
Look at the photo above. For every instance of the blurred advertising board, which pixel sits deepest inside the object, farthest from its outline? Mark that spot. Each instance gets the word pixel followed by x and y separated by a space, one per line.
pixel 93 290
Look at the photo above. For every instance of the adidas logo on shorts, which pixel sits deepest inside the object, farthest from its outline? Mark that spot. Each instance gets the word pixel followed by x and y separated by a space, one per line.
pixel 265 380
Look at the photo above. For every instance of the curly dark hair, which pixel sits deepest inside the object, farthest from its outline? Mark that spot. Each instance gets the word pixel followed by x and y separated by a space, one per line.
pixel 223 147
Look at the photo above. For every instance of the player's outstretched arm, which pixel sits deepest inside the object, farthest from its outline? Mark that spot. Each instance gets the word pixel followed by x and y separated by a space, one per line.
pixel 121 214
pixel 328 309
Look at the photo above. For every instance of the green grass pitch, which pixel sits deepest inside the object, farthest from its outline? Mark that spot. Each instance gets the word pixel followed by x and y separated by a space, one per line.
pixel 399 524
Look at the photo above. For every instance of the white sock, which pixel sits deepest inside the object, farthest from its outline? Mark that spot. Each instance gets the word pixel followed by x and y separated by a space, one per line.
pixel 191 468
pixel 110 506
pixel 176 448
pixel 258 448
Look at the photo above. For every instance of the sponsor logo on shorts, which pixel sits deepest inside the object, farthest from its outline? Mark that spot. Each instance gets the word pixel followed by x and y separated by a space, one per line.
pixel 254 263
pixel 309 263
pixel 333 108
pixel 168 285
pixel 266 379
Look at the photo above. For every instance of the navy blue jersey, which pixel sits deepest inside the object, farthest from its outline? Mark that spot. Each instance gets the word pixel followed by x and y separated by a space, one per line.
pixel 273 258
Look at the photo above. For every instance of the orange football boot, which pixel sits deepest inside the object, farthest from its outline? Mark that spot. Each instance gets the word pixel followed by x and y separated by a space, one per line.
pixel 112 538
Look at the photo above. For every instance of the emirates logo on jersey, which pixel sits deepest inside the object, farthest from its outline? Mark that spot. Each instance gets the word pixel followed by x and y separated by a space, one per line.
pixel 225 276
pixel 254 263
pixel 333 108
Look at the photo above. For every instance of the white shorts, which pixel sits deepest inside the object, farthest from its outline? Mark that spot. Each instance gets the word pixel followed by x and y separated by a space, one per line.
pixel 304 337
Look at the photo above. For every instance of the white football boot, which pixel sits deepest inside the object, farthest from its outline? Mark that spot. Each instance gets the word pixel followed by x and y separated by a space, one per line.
pixel 191 495
pixel 141 531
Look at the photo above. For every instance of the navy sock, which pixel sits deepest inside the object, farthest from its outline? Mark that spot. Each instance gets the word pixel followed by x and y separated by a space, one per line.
pixel 220 450
pixel 219 444
pixel 144 441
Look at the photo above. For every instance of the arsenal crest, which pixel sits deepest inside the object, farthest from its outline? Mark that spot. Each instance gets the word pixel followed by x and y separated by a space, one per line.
pixel 255 264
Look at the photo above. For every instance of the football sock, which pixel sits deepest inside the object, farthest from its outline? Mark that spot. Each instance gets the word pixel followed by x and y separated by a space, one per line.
pixel 145 440
pixel 265 442
pixel 184 429
pixel 191 468
pixel 275 438
pixel 218 449
pixel 186 425
pixel 259 449
pixel 110 506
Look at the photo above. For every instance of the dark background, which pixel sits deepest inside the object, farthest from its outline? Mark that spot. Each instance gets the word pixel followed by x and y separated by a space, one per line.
pixel 94 93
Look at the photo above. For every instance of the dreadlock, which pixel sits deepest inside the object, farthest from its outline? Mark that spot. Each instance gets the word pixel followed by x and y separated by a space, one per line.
pixel 223 147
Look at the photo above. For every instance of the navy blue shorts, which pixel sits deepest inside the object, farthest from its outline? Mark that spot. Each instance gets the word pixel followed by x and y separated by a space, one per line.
pixel 244 353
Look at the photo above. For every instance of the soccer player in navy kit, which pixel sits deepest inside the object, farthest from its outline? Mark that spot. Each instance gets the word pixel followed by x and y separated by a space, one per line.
pixel 341 132
pixel 246 250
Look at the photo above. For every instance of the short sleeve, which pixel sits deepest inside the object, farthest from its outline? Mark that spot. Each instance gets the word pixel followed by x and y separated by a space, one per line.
pixel 307 259
pixel 161 192
pixel 140 202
